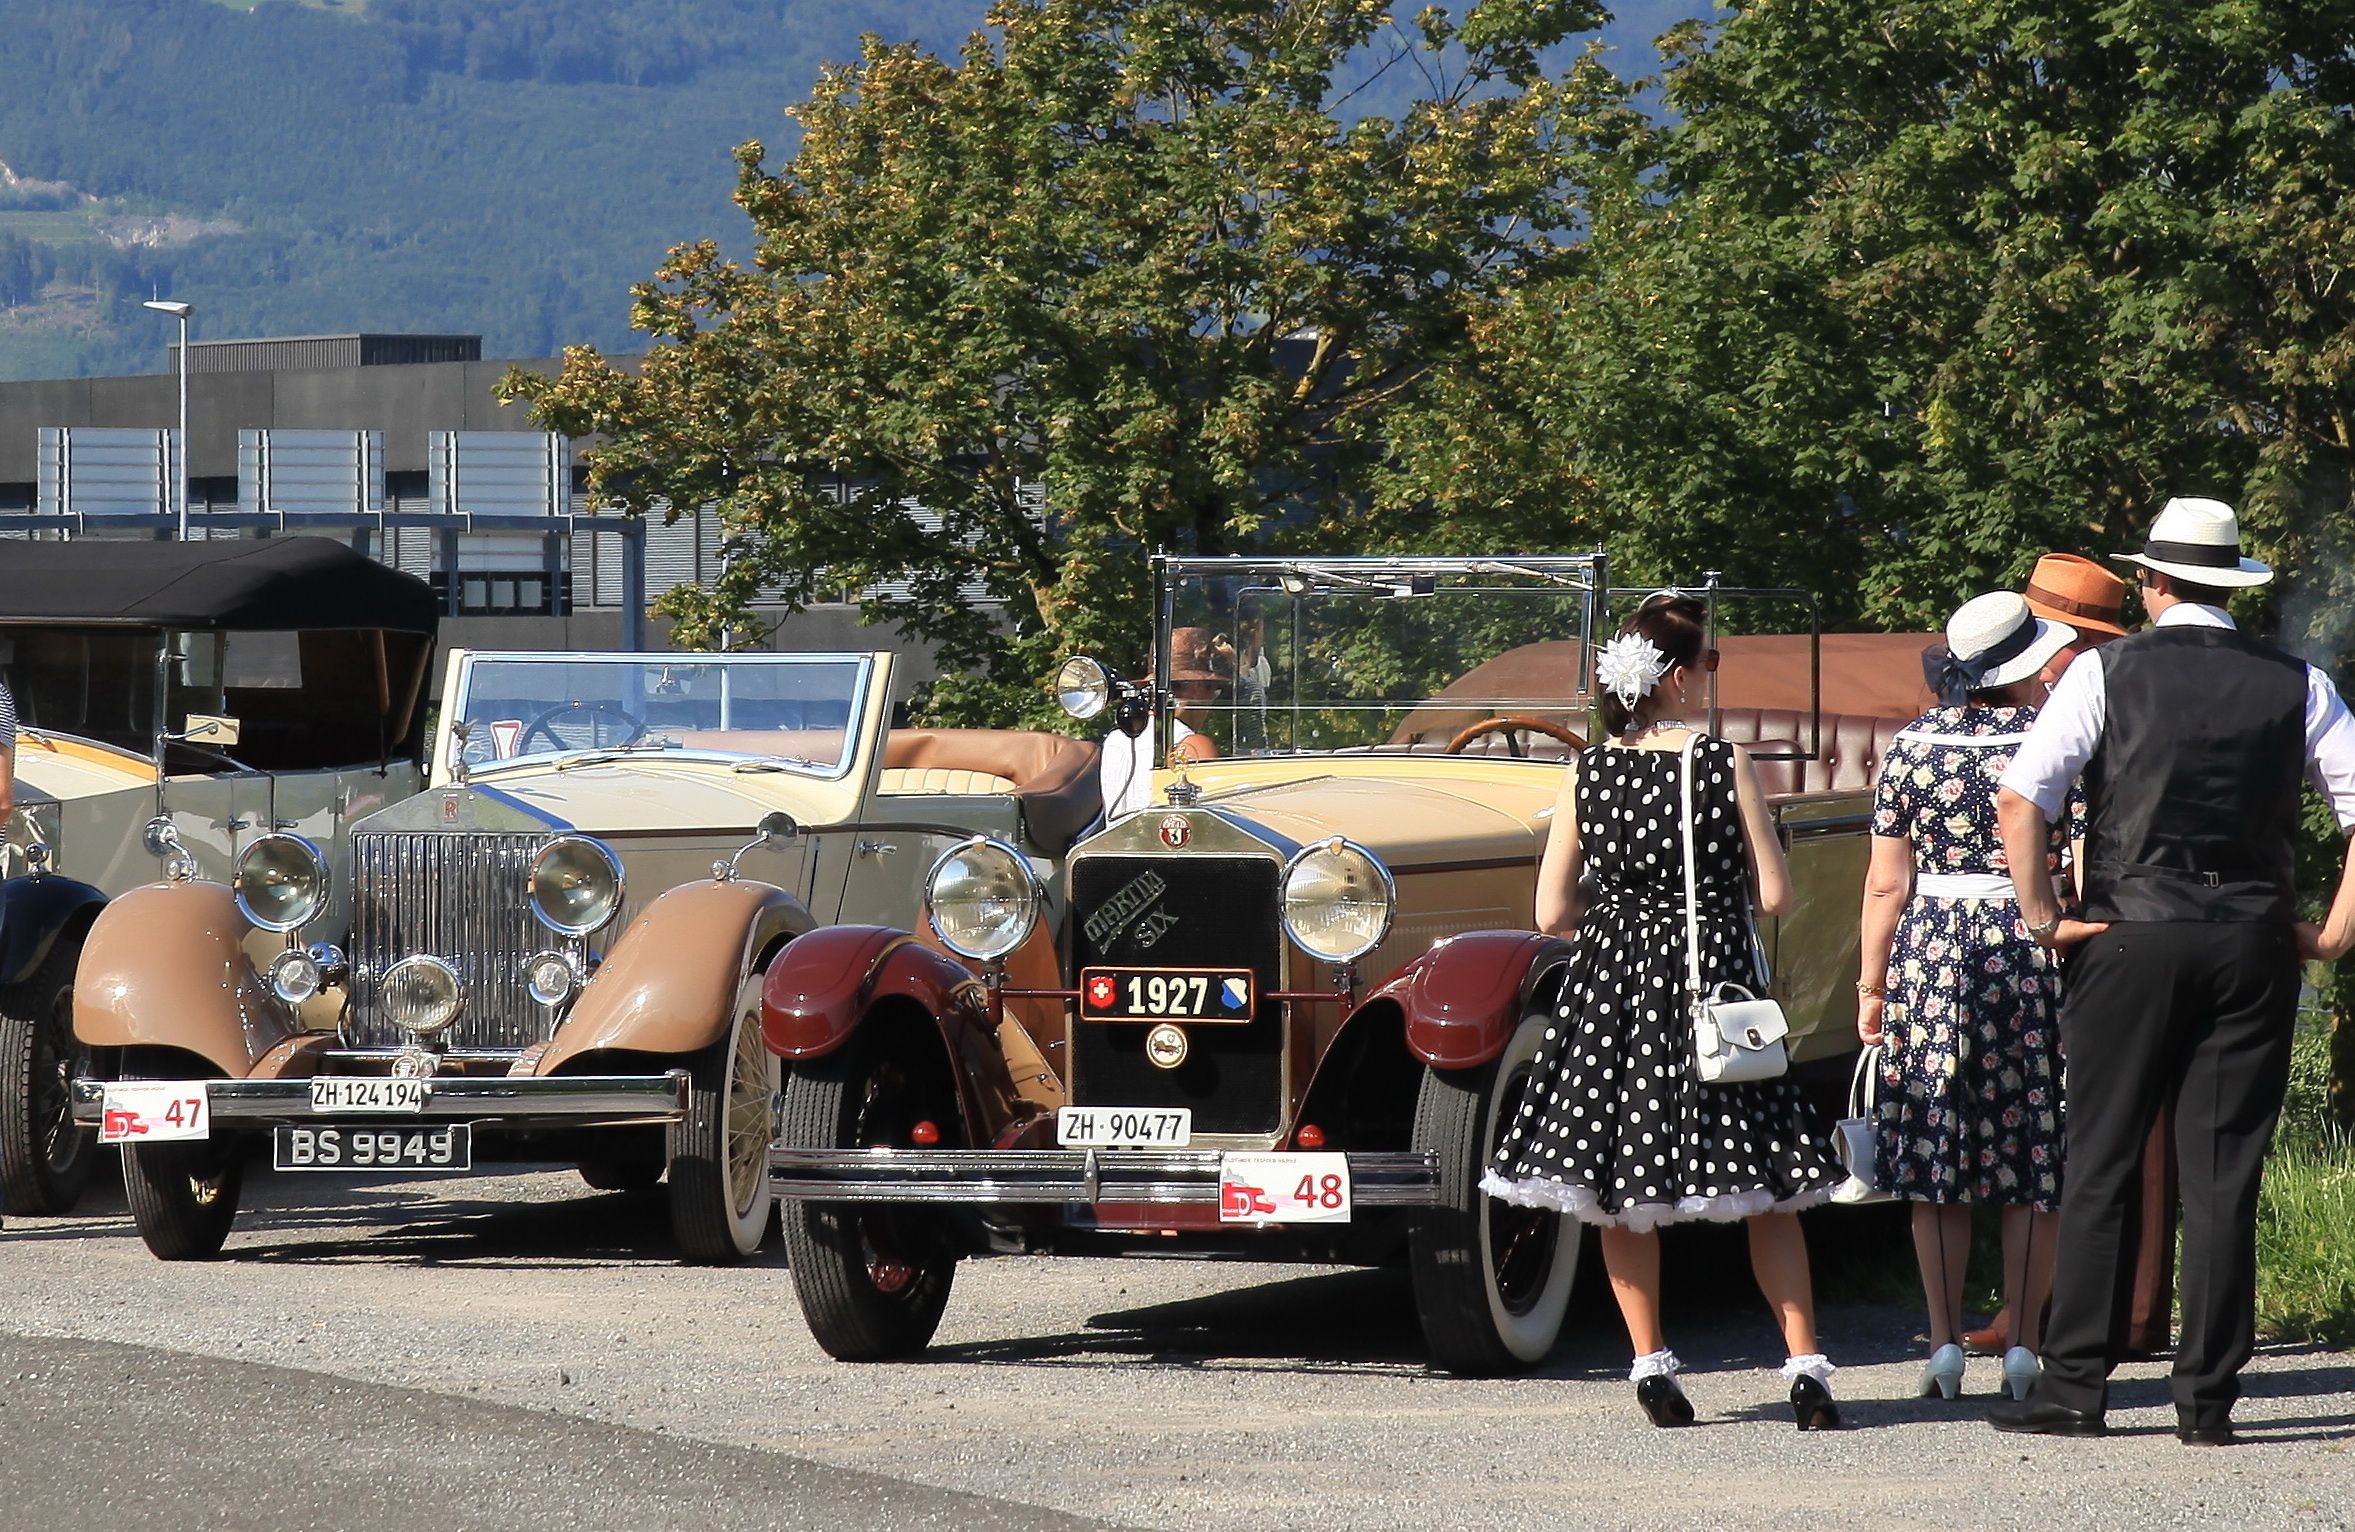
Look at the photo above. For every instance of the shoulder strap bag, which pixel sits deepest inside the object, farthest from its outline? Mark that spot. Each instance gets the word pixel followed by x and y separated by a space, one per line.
pixel 1736 1035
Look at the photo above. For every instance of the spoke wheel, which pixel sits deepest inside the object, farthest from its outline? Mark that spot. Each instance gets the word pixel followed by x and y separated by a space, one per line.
pixel 719 1168
pixel 873 1279
pixel 184 1196
pixel 1492 1280
pixel 45 1161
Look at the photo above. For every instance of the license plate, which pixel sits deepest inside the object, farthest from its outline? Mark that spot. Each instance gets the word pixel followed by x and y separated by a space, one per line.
pixel 1283 1188
pixel 153 1111
pixel 366 1093
pixel 366 1147
pixel 1166 994
pixel 1124 1127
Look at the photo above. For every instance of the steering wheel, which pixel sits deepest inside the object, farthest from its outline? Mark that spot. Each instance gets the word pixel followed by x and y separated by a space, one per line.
pixel 1510 724
pixel 602 718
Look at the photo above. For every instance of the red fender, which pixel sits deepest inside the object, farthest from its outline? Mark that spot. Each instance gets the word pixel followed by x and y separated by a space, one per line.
pixel 1464 997
pixel 823 985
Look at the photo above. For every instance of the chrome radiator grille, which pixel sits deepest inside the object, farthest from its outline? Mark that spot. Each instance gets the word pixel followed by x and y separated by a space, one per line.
pixel 461 897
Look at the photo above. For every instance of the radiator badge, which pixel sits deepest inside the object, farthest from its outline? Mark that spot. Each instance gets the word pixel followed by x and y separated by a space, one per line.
pixel 1176 831
pixel 1165 1045
pixel 1132 899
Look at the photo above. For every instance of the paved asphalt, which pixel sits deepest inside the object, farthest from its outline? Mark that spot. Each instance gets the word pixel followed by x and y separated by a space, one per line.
pixel 520 1352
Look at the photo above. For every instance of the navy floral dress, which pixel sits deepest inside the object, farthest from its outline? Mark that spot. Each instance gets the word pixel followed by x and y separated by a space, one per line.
pixel 1970 1107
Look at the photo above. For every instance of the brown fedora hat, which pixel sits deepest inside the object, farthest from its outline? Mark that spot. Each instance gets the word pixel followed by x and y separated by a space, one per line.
pixel 2077 591
pixel 1195 654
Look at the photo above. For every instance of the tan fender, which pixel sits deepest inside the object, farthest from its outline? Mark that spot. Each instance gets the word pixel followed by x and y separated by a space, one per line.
pixel 669 985
pixel 164 967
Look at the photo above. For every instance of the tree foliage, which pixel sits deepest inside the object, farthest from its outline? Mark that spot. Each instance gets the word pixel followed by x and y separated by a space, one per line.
pixel 1124 275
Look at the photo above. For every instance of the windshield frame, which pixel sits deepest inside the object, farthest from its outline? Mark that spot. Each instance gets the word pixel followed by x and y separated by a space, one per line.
pixel 859 707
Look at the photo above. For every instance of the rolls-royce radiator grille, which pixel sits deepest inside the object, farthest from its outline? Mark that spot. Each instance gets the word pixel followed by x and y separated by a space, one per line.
pixel 1183 911
pixel 461 897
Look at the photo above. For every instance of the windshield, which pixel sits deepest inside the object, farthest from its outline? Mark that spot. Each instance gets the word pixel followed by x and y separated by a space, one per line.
pixel 795 712
pixel 1277 656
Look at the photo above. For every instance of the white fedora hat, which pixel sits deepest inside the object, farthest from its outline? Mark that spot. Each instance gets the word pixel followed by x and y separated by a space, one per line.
pixel 2199 541
pixel 1991 640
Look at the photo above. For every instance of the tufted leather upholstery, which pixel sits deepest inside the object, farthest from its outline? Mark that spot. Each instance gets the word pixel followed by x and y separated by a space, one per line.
pixel 1052 778
pixel 898 780
pixel 1850 755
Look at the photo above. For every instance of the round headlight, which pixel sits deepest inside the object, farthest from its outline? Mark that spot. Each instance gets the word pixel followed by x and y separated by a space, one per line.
pixel 1082 687
pixel 982 899
pixel 576 885
pixel 421 994
pixel 295 975
pixel 281 882
pixel 550 978
pixel 1338 901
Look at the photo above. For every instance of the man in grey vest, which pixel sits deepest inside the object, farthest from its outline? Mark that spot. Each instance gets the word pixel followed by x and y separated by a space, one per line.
pixel 2194 741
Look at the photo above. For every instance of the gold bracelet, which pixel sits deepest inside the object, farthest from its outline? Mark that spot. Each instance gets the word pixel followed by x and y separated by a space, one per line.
pixel 1880 990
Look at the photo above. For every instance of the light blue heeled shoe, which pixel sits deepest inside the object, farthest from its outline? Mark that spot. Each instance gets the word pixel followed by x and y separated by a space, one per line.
pixel 2020 1371
pixel 1944 1373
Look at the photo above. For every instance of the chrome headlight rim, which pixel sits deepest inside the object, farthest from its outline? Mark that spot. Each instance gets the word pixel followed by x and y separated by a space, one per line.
pixel 445 977
pixel 1026 917
pixel 1337 845
pixel 568 845
pixel 554 997
pixel 247 882
pixel 296 976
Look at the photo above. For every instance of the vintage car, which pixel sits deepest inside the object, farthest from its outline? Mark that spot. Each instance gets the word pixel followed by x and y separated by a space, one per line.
pixel 1287 1007
pixel 238 688
pixel 554 951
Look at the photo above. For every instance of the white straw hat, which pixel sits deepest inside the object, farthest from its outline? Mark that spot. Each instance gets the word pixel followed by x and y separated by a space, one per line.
pixel 1992 640
pixel 2199 541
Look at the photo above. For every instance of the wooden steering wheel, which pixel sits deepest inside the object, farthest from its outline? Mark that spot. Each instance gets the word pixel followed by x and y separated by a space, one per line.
pixel 1512 723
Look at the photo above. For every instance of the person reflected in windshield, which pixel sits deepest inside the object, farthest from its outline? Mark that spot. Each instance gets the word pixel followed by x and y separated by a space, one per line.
pixel 1201 666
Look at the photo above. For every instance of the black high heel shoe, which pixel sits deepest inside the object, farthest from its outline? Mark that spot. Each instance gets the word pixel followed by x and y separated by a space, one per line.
pixel 1664 1401
pixel 1812 1403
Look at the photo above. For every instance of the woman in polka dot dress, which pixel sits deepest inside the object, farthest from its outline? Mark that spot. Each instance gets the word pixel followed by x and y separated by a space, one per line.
pixel 1617 1129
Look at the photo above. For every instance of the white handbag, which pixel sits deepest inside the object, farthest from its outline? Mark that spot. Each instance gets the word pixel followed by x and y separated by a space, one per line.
pixel 1857 1132
pixel 1737 1036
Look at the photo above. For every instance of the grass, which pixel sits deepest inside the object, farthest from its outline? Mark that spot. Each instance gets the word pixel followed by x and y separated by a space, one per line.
pixel 2306 1209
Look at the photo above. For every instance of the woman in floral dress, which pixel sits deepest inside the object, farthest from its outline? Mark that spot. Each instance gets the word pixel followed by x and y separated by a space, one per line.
pixel 1964 1004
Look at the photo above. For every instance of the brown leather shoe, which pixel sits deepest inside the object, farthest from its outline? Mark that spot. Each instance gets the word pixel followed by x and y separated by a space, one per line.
pixel 1991 1340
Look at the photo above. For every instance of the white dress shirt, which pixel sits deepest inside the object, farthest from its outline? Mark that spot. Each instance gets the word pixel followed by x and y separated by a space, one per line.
pixel 1126 767
pixel 2069 727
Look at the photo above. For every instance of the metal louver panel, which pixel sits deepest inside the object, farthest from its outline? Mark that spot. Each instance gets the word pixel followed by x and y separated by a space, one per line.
pixel 460 897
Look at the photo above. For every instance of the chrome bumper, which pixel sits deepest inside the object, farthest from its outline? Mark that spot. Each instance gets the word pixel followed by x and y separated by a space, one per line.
pixel 1062 1175
pixel 587 1101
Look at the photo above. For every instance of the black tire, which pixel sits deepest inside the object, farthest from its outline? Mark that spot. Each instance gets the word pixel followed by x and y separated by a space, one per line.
pixel 720 1204
pixel 184 1196
pixel 874 1278
pixel 45 1161
pixel 622 1175
pixel 1492 1281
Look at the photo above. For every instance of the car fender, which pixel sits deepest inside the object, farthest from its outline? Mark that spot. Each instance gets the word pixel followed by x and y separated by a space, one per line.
pixel 1463 998
pixel 669 985
pixel 164 967
pixel 34 912
pixel 825 986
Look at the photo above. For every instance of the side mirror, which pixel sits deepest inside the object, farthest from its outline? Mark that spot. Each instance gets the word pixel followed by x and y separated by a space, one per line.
pixel 776 827
pixel 1082 687
pixel 159 836
pixel 210 729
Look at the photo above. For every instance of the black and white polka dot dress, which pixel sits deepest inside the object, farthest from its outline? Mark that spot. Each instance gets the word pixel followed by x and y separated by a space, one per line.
pixel 1616 1128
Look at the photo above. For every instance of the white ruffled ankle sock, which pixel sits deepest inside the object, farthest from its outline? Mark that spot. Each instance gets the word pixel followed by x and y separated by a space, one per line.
pixel 1655 1364
pixel 1813 1365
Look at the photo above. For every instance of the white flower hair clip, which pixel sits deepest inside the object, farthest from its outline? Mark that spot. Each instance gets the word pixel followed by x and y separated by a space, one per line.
pixel 1629 666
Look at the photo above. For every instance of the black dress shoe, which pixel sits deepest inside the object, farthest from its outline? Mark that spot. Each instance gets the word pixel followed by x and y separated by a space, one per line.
pixel 2220 1434
pixel 2038 1419
pixel 1664 1401
pixel 1812 1403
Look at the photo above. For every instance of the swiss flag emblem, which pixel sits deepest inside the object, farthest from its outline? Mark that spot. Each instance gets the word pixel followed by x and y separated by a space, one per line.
pixel 1100 991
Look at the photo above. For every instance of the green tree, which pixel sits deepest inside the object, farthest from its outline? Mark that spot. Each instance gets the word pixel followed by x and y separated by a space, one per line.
pixel 1123 276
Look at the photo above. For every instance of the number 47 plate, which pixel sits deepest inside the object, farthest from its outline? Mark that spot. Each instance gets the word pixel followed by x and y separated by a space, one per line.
pixel 1283 1188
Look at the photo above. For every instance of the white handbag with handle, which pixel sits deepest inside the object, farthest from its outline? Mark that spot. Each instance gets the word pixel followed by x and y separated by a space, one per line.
pixel 1857 1132
pixel 1737 1036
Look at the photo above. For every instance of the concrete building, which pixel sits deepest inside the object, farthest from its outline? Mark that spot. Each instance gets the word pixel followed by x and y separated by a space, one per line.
pixel 509 589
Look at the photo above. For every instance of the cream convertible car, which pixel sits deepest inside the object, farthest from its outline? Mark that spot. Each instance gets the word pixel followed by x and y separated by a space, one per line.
pixel 556 949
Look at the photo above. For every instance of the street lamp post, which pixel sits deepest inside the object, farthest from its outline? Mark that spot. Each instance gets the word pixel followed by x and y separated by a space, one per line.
pixel 180 311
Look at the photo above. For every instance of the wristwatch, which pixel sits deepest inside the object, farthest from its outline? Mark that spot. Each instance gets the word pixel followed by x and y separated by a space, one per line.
pixel 2041 931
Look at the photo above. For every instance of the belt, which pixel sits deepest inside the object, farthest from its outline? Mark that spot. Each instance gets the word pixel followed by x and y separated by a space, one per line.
pixel 1963 885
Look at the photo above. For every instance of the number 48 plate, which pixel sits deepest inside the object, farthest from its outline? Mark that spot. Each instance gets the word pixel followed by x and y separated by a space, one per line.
pixel 1283 1188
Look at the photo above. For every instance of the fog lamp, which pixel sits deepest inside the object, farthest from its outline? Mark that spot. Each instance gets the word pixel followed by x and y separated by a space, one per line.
pixel 295 976
pixel 550 977
pixel 421 994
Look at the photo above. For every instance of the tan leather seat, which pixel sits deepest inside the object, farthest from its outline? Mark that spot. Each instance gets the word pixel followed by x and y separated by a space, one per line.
pixel 1849 755
pixel 1052 777
pixel 903 780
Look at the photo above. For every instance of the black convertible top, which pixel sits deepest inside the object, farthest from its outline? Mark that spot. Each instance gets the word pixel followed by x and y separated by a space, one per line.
pixel 274 583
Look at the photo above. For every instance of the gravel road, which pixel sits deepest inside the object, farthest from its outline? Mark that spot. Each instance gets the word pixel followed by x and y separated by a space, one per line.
pixel 518 1351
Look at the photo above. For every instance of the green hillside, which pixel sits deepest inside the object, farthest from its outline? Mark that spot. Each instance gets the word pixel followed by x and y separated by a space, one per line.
pixel 505 167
